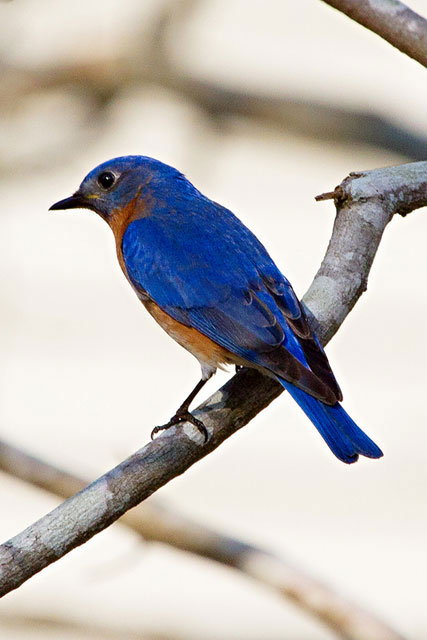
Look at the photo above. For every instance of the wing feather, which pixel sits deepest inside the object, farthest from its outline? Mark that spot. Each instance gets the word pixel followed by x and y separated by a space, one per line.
pixel 231 291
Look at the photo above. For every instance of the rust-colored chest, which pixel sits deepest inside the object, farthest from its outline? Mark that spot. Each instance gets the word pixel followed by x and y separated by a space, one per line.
pixel 119 221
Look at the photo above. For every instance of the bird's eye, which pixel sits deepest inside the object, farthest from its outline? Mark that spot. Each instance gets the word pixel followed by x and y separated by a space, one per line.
pixel 106 179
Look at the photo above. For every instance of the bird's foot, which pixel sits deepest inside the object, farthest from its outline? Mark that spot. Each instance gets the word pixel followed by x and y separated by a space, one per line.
pixel 178 418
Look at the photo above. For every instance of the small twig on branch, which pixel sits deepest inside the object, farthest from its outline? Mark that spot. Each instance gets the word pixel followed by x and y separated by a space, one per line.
pixel 393 21
pixel 369 201
pixel 158 523
pixel 329 195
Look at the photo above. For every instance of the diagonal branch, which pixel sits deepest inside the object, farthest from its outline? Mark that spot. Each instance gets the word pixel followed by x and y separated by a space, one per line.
pixel 158 523
pixel 393 21
pixel 366 202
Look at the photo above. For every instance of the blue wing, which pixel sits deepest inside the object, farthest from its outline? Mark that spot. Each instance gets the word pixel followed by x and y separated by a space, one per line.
pixel 204 268
pixel 208 271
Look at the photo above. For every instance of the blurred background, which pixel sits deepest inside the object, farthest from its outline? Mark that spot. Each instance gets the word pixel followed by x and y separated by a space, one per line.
pixel 263 105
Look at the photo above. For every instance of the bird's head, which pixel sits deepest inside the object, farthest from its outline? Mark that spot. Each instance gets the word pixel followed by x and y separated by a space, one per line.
pixel 112 186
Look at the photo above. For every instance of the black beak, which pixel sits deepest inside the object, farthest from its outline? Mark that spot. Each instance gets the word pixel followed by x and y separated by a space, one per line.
pixel 76 201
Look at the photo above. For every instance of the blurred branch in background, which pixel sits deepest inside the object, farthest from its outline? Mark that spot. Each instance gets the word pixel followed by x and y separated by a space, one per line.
pixel 157 523
pixel 366 202
pixel 393 21
pixel 52 627
pixel 92 85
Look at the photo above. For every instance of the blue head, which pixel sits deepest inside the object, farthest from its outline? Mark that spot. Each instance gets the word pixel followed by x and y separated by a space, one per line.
pixel 111 186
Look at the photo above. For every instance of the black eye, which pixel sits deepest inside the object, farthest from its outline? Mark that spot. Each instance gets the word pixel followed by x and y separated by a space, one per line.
pixel 106 179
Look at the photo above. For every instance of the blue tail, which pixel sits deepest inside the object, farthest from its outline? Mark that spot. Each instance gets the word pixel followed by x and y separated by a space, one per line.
pixel 340 433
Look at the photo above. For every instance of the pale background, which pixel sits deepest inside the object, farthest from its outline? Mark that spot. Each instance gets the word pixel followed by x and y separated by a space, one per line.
pixel 86 373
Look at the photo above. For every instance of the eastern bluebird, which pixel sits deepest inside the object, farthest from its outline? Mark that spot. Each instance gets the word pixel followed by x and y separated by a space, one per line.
pixel 211 285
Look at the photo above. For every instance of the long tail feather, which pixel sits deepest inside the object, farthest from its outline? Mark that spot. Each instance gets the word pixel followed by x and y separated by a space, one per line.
pixel 340 432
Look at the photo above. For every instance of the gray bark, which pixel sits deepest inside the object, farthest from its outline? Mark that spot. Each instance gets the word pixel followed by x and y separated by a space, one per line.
pixel 392 20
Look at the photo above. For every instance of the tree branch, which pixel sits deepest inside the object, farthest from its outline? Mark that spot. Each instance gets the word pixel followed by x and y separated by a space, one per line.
pixel 157 523
pixel 365 203
pixel 393 21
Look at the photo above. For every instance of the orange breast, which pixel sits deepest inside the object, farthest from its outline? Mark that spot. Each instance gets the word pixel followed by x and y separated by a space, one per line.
pixel 202 347
pixel 119 221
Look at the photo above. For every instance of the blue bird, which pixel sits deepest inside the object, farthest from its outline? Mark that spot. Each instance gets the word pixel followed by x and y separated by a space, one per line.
pixel 210 283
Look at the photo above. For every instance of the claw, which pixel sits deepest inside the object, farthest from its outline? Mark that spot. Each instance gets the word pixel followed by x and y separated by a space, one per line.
pixel 185 416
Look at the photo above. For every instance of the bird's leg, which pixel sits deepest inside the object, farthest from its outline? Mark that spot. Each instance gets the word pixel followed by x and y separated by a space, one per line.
pixel 183 414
